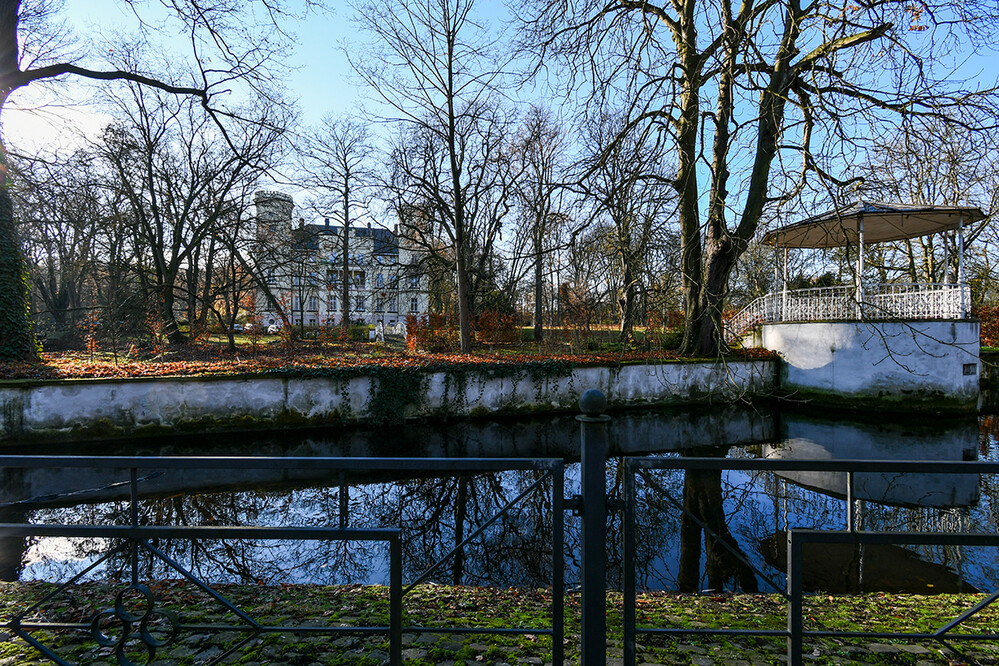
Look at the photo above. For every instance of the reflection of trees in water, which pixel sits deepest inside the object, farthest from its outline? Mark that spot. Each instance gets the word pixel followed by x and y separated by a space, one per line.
pixel 704 512
pixel 436 514
pixel 740 509
pixel 675 511
pixel 237 560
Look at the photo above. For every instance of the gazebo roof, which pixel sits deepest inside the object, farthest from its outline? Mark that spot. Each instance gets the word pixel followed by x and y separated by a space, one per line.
pixel 882 222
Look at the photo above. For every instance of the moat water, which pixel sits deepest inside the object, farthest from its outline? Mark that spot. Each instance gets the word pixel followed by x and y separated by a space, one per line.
pixel 755 509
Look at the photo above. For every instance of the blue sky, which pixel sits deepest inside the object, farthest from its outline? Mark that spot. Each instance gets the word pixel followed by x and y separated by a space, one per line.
pixel 318 75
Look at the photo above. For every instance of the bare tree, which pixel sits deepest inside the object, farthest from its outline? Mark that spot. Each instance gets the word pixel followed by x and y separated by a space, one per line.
pixel 436 73
pixel 334 159
pixel 540 150
pixel 933 162
pixel 60 212
pixel 627 187
pixel 230 47
pixel 746 90
pixel 179 181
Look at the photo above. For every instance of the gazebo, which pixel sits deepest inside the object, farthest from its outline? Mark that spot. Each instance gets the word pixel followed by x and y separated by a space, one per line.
pixel 857 226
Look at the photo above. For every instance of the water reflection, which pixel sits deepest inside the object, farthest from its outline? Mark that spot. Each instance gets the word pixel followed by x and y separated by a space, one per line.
pixel 728 538
pixel 815 438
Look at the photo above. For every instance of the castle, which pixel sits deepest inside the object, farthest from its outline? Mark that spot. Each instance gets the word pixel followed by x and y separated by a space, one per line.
pixel 302 266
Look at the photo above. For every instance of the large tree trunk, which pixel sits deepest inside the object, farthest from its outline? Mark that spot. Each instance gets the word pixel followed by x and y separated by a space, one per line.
pixel 707 331
pixel 464 302
pixel 170 327
pixel 539 327
pixel 17 340
pixel 627 301
pixel 686 186
pixel 345 267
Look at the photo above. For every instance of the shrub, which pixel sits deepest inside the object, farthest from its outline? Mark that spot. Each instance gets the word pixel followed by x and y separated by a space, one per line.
pixel 358 333
pixel 664 330
pixel 493 327
pixel 989 318
pixel 433 333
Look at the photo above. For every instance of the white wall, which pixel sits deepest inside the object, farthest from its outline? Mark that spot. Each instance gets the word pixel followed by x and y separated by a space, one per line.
pixel 914 365
pixel 90 408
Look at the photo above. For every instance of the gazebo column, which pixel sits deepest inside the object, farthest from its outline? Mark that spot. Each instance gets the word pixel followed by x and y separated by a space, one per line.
pixel 859 287
pixel 960 264
pixel 783 304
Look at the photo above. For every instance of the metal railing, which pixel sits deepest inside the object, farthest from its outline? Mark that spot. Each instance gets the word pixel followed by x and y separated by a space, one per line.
pixel 796 632
pixel 592 504
pixel 877 301
pixel 137 540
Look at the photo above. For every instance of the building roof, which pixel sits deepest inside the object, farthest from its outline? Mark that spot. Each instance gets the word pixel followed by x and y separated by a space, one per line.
pixel 385 242
pixel 882 222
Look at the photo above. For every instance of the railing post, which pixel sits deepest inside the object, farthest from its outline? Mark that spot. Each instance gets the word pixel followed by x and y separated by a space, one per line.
pixel 593 450
pixel 795 622
pixel 630 601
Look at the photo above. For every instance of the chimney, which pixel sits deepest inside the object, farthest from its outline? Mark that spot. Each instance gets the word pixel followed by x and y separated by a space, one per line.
pixel 369 226
pixel 327 221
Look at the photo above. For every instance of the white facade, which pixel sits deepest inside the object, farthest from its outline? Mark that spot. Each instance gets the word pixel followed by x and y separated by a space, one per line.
pixel 901 365
pixel 303 269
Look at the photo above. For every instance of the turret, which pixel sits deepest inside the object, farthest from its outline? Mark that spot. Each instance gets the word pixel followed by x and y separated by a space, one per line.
pixel 274 211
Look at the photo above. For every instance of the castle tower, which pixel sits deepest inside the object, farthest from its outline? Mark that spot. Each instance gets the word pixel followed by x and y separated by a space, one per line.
pixel 274 210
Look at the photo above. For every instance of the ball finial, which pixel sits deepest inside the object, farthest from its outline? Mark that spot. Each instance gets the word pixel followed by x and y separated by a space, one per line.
pixel 592 402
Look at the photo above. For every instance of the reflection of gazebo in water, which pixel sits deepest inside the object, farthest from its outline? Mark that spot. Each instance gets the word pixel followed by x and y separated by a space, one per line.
pixel 857 226
pixel 872 346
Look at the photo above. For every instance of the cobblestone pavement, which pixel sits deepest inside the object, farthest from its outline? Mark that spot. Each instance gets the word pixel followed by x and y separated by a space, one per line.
pixel 471 650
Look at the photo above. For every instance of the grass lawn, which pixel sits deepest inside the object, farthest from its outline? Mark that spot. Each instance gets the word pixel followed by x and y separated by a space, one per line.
pixel 440 607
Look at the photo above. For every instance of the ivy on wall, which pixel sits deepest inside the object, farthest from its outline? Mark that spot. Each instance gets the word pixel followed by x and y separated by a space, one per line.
pixel 394 389
pixel 17 340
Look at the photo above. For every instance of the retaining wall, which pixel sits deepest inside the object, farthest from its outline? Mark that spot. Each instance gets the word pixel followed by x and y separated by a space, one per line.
pixel 84 409
pixel 879 365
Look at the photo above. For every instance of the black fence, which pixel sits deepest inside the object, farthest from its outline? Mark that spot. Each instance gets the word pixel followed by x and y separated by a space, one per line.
pixel 134 622
pixel 134 619
pixel 797 538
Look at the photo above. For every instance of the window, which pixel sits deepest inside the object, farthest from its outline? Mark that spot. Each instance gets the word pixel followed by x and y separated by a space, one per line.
pixel 379 304
pixel 393 304
pixel 357 279
pixel 271 280
pixel 312 303
pixel 312 321
pixel 414 304
pixel 380 280
pixel 359 304
pixel 414 282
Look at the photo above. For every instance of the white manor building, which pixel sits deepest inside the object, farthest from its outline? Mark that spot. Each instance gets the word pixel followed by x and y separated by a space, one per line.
pixel 303 268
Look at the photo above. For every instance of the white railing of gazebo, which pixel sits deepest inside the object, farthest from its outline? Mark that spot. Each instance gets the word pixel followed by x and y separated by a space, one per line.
pixel 880 301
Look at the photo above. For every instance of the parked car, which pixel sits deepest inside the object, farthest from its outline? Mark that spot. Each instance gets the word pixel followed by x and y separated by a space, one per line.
pixel 274 329
pixel 238 328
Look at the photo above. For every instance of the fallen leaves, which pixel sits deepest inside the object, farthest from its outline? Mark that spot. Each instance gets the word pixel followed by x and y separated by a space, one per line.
pixel 186 363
